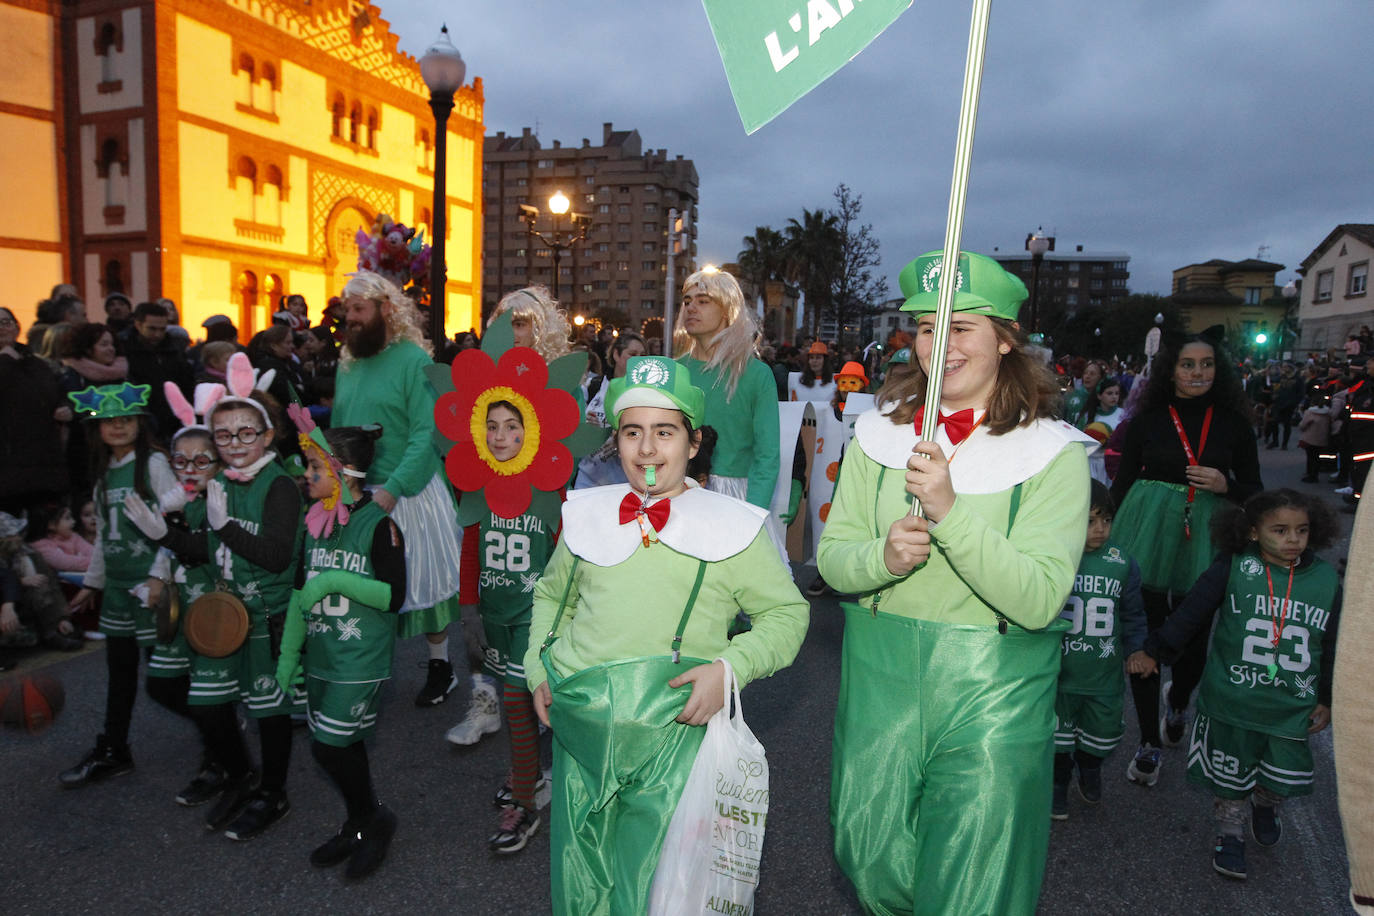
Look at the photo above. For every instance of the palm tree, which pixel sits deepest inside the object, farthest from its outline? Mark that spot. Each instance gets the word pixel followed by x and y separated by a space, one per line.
pixel 763 257
pixel 813 249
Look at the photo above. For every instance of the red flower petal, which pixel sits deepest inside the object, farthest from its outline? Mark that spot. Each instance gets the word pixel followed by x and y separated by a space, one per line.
pixel 453 416
pixel 522 369
pixel 465 468
pixel 471 373
pixel 509 497
pixel 558 413
pixel 551 468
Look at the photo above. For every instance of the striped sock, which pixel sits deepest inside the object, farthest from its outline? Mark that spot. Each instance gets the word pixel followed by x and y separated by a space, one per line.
pixel 524 744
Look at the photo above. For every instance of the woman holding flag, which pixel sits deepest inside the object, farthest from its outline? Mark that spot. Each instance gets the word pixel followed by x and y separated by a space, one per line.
pixel 950 660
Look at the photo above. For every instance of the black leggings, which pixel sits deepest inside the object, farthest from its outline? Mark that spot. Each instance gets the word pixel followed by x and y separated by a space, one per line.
pixel 349 768
pixel 1186 669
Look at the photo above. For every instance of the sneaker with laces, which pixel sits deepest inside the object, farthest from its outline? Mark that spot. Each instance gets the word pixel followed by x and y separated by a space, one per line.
pixel 504 795
pixel 236 793
pixel 1059 802
pixel 1265 825
pixel 1090 784
pixel 514 827
pixel 373 841
pixel 1143 770
pixel 438 685
pixel 206 785
pixel 103 762
pixel 338 847
pixel 264 809
pixel 1228 856
pixel 483 716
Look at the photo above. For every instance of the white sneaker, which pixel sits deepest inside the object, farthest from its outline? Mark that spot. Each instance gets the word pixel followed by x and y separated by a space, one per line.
pixel 1345 491
pixel 483 718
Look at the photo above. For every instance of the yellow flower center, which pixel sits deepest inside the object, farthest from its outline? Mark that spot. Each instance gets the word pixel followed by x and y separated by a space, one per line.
pixel 528 449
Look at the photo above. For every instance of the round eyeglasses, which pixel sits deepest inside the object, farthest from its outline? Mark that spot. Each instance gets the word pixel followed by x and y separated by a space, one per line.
pixel 199 462
pixel 246 435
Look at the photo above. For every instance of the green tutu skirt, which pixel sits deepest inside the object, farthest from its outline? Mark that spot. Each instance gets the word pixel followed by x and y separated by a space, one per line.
pixel 1149 527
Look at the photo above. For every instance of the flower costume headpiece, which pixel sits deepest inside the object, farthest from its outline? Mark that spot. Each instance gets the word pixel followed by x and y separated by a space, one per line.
pixel 322 515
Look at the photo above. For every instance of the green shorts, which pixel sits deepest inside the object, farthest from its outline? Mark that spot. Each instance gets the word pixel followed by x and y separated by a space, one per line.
pixel 1232 760
pixel 504 657
pixel 170 659
pixel 250 675
pixel 341 714
pixel 1091 724
pixel 121 614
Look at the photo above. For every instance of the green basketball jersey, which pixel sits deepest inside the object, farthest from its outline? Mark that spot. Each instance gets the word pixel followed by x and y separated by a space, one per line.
pixel 261 592
pixel 1091 662
pixel 128 554
pixel 1236 685
pixel 347 641
pixel 514 554
pixel 201 579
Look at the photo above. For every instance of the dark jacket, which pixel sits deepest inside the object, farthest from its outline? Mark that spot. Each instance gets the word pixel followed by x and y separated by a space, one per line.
pixel 149 365
pixel 32 465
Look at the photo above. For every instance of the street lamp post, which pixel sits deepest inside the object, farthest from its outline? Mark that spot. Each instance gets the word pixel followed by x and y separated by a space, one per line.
pixel 443 70
pixel 1037 244
pixel 555 241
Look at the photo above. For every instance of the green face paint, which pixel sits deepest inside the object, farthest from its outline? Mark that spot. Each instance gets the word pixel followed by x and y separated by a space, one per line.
pixel 649 476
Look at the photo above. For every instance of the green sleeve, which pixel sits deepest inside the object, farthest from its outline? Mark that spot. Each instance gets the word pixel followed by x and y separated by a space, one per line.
pixel 292 639
pixel 416 467
pixel 1028 575
pixel 758 386
pixel 548 592
pixel 850 554
pixel 765 591
pixel 356 587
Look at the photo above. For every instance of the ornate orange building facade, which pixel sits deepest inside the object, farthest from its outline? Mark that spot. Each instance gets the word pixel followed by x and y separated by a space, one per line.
pixel 222 153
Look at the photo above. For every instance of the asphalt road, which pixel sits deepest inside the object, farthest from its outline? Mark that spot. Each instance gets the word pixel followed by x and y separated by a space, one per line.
pixel 125 846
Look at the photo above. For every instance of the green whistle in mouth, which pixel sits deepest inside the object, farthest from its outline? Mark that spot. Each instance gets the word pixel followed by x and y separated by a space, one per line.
pixel 649 475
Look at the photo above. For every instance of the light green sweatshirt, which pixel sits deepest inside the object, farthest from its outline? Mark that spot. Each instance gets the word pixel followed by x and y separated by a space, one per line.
pixel 632 610
pixel 974 566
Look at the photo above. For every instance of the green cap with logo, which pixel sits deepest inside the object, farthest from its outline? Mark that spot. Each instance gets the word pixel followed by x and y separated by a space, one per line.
pixel 983 287
pixel 902 356
pixel 655 381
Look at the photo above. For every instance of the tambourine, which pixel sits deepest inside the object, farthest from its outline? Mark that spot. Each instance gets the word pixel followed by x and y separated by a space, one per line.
pixel 216 624
pixel 167 613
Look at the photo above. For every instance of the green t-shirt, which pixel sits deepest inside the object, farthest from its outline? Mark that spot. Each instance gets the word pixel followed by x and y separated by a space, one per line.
pixel 746 426
pixel 128 553
pixel 348 641
pixel 201 579
pixel 1092 662
pixel 262 592
pixel 514 554
pixel 1236 686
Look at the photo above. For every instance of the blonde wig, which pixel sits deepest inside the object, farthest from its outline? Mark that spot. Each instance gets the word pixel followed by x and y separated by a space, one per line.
pixel 401 316
pixel 736 344
pixel 550 323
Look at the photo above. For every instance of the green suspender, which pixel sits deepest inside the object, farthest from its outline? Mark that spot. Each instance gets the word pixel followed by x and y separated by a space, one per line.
pixel 562 605
pixel 687 611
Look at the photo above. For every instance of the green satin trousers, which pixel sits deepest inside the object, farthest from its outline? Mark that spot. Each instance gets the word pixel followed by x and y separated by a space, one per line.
pixel 942 761
pixel 619 766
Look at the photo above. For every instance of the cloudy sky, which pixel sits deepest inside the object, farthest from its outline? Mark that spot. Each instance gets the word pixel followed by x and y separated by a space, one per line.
pixel 1173 130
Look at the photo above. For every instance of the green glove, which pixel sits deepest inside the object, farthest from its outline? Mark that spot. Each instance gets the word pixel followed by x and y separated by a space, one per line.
pixel 292 639
pixel 353 586
pixel 793 504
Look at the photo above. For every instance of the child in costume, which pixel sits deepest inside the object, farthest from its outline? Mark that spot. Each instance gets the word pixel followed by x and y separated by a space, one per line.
pixel 1267 682
pixel 126 465
pixel 943 736
pixel 1107 623
pixel 514 550
pixel 352 585
pixel 252 540
pixel 637 598
pixel 817 382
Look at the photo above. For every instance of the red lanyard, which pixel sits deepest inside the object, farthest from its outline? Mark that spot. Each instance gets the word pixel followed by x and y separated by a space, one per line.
pixel 1192 460
pixel 1279 617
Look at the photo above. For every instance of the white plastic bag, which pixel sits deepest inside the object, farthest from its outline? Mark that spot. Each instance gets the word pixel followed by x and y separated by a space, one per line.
pixel 710 857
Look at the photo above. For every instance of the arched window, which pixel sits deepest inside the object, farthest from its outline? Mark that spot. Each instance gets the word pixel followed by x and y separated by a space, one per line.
pixel 271 197
pixel 355 117
pixel 245 189
pixel 371 129
pixel 114 276
pixel 267 90
pixel 424 221
pixel 272 288
pixel 244 85
pixel 248 299
pixel 337 129
pixel 110 169
pixel 106 45
pixel 422 148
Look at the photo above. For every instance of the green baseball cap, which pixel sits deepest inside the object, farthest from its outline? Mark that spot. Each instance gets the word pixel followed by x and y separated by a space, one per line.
pixel 982 288
pixel 901 356
pixel 109 401
pixel 655 381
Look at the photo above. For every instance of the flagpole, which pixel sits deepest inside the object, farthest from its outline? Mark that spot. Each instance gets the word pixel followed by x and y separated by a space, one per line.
pixel 954 219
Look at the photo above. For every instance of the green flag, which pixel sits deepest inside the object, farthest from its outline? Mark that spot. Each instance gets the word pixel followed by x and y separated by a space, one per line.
pixel 776 51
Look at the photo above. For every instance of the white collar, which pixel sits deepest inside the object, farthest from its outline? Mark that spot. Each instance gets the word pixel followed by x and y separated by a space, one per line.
pixel 120 462
pixel 703 524
pixel 243 475
pixel 985 463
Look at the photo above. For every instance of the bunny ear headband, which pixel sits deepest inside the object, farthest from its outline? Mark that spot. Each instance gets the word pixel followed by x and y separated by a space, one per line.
pixel 192 415
pixel 243 380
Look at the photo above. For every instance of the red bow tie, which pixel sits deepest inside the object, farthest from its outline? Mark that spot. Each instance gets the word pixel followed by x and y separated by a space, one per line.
pixel 631 506
pixel 957 425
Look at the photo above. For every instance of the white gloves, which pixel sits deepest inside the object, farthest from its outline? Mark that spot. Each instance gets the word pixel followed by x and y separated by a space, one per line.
pixel 147 520
pixel 216 505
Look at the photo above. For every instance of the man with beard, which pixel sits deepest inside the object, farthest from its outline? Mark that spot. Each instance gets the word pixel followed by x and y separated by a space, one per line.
pixel 381 380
